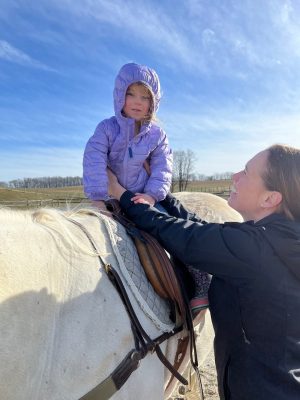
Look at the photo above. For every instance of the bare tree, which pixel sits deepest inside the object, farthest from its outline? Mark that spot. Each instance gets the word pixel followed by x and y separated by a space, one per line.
pixel 183 165
pixel 46 182
pixel 224 175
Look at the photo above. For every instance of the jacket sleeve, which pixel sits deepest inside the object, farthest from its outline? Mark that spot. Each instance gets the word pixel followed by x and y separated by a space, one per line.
pixel 175 208
pixel 95 179
pixel 161 163
pixel 225 250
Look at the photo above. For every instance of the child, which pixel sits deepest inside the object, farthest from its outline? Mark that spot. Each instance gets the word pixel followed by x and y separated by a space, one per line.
pixel 127 140
pixel 132 145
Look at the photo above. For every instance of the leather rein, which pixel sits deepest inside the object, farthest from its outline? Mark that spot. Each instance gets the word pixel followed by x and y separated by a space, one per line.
pixel 143 343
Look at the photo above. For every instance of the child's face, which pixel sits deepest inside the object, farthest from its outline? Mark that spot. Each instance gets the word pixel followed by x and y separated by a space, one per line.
pixel 137 102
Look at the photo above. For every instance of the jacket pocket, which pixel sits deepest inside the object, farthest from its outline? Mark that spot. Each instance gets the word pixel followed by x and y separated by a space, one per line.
pixel 137 155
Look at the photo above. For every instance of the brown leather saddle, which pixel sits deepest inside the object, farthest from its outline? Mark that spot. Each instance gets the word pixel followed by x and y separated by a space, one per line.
pixel 155 261
pixel 162 276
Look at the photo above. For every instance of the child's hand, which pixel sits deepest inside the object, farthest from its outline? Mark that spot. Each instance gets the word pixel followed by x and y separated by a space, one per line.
pixel 143 198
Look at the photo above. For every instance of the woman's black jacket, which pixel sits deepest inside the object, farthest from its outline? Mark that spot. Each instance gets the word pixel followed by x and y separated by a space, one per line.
pixel 254 294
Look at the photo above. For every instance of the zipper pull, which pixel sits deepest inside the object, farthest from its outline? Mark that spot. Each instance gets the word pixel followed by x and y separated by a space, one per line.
pixel 130 152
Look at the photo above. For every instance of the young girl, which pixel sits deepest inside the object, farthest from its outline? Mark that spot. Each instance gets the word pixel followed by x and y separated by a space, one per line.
pixel 133 146
pixel 127 140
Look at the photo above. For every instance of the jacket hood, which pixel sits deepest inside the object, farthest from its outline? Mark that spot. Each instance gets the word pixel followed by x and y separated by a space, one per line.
pixel 131 73
pixel 284 237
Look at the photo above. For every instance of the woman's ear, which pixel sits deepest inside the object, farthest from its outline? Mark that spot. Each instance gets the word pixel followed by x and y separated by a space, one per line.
pixel 272 200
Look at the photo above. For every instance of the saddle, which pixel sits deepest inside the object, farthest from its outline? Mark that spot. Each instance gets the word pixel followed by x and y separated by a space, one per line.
pixel 160 271
pixel 155 261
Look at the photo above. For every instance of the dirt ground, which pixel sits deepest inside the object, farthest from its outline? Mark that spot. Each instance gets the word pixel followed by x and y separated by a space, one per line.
pixel 207 372
pixel 209 384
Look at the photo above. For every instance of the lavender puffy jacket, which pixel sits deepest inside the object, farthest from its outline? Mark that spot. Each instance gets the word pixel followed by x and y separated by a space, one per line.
pixel 115 145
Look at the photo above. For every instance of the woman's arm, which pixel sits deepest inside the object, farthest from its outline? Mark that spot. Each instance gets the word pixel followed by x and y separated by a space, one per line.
pixel 175 208
pixel 224 250
pixel 215 248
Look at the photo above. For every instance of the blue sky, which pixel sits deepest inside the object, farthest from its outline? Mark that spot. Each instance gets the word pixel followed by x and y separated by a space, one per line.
pixel 229 70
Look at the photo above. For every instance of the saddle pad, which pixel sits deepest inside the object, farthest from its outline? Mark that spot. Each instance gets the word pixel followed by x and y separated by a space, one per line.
pixel 133 276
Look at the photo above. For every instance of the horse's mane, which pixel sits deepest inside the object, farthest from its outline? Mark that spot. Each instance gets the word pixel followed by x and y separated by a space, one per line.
pixel 61 222
pixel 8 215
pixel 57 222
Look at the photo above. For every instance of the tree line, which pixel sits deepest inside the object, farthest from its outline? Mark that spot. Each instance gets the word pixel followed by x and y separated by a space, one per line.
pixel 183 173
pixel 43 182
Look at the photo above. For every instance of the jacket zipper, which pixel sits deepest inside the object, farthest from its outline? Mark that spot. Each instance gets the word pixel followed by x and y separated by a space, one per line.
pixel 125 162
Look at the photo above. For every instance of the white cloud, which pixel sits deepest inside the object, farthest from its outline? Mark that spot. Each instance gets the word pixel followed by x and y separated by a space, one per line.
pixel 205 36
pixel 251 51
pixel 150 24
pixel 12 54
pixel 225 141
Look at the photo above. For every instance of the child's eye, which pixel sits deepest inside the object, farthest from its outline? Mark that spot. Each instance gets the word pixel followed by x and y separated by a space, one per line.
pixel 129 94
pixel 145 97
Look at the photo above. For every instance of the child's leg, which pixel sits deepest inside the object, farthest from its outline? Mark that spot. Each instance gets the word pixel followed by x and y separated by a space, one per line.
pixel 160 208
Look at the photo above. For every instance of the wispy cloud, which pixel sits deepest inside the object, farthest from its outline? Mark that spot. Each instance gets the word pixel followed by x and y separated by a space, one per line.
pixel 152 26
pixel 254 126
pixel 12 54
pixel 200 36
pixel 230 138
pixel 229 72
pixel 244 38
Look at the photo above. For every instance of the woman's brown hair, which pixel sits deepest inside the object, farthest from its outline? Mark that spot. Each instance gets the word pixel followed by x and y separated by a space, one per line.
pixel 283 175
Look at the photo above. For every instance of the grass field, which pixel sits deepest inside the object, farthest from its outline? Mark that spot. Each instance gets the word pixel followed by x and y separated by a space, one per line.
pixel 41 194
pixel 75 193
pixel 209 186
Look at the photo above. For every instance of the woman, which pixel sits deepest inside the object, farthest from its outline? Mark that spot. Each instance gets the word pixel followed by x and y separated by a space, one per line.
pixel 255 291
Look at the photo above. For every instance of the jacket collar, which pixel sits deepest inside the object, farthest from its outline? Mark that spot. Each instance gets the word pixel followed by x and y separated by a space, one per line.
pixel 269 219
pixel 127 125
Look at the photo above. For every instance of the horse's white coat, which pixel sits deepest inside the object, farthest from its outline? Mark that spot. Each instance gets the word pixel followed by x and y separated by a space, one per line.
pixel 209 207
pixel 63 328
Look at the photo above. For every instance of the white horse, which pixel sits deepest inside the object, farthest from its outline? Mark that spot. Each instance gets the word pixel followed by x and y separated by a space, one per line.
pixel 63 326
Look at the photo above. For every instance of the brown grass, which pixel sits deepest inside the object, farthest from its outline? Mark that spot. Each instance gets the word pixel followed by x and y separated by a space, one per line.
pixel 77 191
pixel 41 194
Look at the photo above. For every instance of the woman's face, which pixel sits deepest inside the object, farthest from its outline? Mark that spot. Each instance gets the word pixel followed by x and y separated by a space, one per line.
pixel 249 191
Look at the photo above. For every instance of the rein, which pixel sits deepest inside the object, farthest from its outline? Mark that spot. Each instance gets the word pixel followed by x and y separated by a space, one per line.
pixel 143 343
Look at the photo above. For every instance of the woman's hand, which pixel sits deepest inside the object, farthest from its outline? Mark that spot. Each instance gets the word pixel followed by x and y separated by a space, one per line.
pixel 143 198
pixel 115 190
